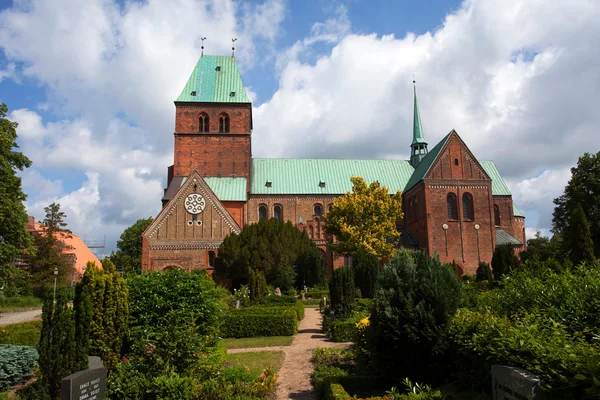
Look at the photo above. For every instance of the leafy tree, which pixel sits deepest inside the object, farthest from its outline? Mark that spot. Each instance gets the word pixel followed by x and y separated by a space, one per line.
pixel 107 293
pixel 415 302
pixel 258 285
pixel 365 218
pixel 542 248
pixel 49 250
pixel 128 256
pixel 279 250
pixel 342 291
pixel 366 267
pixel 579 238
pixel 14 238
pixel 504 260
pixel 583 188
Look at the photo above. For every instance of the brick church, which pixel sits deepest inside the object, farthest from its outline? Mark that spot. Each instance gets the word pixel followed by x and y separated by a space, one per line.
pixel 454 204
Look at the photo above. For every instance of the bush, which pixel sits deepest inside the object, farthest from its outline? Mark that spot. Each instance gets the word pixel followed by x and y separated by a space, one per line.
pixel 285 301
pixel 258 286
pixel 342 291
pixel 346 330
pixel 16 365
pixel 317 294
pixel 484 272
pixel 260 321
pixel 504 260
pixel 366 267
pixel 335 391
pixel 324 375
pixel 25 334
pixel 415 302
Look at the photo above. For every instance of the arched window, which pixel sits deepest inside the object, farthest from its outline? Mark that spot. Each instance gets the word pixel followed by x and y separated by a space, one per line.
pixel 262 212
pixel 224 123
pixel 318 210
pixel 278 212
pixel 318 228
pixel 451 203
pixel 203 123
pixel 329 207
pixel 467 203
pixel 310 232
pixel 496 215
pixel 211 259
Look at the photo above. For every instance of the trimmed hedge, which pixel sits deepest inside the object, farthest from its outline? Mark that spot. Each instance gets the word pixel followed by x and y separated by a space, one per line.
pixel 335 391
pixel 25 334
pixel 260 321
pixel 317 294
pixel 345 330
pixel 16 364
pixel 284 301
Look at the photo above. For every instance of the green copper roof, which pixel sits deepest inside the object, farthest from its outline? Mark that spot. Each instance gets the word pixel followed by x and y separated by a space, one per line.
pixel 324 176
pixel 417 127
pixel 499 187
pixel 226 188
pixel 516 211
pixel 213 80
pixel 425 163
pixel 503 237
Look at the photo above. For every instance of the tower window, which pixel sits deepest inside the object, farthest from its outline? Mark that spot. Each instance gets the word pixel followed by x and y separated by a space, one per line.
pixel 456 161
pixel 467 203
pixel 224 123
pixel 496 215
pixel 329 207
pixel 318 210
pixel 232 94
pixel 278 212
pixel 262 212
pixel 194 93
pixel 203 123
pixel 451 204
pixel 211 259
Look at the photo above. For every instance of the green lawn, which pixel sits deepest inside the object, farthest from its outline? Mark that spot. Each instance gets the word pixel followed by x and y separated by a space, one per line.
pixel 256 362
pixel 19 303
pixel 24 334
pixel 262 341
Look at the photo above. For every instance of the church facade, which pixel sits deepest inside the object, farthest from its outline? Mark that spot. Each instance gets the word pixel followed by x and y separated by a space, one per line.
pixel 454 205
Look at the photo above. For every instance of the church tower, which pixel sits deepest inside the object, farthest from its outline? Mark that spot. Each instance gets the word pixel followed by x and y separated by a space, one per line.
pixel 213 122
pixel 418 147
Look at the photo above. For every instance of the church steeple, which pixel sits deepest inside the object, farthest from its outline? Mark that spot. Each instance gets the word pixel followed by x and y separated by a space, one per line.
pixel 418 147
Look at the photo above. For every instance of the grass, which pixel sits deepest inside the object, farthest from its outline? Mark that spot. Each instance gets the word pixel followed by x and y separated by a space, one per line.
pixel 262 341
pixel 19 303
pixel 256 362
pixel 24 334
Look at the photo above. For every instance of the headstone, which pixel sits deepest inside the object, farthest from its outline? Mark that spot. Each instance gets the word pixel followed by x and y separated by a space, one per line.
pixel 303 297
pixel 89 384
pixel 237 304
pixel 95 362
pixel 277 292
pixel 510 383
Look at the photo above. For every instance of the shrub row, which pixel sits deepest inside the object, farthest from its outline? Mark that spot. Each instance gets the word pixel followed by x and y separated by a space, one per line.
pixel 260 321
pixel 16 364
pixel 317 294
pixel 345 330
pixel 25 334
pixel 289 302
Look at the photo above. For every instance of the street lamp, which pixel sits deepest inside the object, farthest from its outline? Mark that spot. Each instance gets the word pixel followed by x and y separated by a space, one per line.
pixel 55 275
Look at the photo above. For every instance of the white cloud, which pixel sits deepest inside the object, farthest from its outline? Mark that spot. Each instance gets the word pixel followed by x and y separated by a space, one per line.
pixel 8 72
pixel 30 123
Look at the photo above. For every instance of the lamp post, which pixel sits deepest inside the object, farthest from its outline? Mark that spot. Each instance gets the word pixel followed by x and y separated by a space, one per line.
pixel 55 276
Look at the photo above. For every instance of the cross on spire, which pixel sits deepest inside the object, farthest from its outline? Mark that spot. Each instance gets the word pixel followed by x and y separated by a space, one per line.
pixel 233 47
pixel 202 47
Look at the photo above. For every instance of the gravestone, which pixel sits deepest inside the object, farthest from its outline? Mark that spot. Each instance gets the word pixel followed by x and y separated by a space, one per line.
pixel 237 304
pixel 510 383
pixel 89 384
pixel 277 292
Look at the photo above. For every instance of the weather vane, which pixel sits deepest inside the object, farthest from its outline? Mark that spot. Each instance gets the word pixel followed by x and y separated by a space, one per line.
pixel 203 39
pixel 233 46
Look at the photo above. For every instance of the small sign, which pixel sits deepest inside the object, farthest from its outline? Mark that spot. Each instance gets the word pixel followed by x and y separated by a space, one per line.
pixel 89 384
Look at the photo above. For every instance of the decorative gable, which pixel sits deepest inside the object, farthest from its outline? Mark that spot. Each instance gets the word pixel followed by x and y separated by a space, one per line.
pixel 194 216
pixel 455 161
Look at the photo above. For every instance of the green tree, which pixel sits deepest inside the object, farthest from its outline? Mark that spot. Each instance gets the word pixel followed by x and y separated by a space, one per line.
pixel 49 250
pixel 365 218
pixel 14 238
pixel 278 250
pixel 415 302
pixel 579 238
pixel 128 257
pixel 342 291
pixel 504 260
pixel 484 272
pixel 107 294
pixel 258 285
pixel 366 268
pixel 583 188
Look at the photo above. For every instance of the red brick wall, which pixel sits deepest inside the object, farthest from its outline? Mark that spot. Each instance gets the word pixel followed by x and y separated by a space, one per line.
pixel 237 209
pixel 415 217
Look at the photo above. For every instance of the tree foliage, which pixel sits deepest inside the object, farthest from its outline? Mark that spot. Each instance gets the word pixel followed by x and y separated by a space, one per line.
pixel 279 250
pixel 504 260
pixel 14 238
pixel 365 218
pixel 583 188
pixel 107 293
pixel 415 302
pixel 579 237
pixel 128 256
pixel 542 248
pixel 366 268
pixel 258 285
pixel 342 291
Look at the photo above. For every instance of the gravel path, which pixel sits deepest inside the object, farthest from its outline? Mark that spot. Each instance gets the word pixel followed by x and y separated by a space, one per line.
pixel 294 374
pixel 9 318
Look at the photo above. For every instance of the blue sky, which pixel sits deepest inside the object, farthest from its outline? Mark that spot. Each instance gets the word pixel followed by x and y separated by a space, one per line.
pixel 92 83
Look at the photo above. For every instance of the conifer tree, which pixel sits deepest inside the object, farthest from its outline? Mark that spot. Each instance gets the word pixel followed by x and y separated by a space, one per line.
pixel 258 285
pixel 579 239
pixel 342 291
pixel 504 260
pixel 366 267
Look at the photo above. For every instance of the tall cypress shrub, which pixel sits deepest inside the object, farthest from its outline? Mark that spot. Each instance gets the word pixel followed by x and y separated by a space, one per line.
pixel 342 291
pixel 258 285
pixel 579 238
pixel 366 268
pixel 504 260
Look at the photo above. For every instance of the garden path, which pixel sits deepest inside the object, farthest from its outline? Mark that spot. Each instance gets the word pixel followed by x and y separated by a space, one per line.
pixel 294 374
pixel 8 318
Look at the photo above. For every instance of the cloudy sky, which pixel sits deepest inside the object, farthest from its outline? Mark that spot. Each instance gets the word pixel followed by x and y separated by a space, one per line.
pixel 92 85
